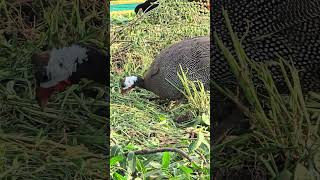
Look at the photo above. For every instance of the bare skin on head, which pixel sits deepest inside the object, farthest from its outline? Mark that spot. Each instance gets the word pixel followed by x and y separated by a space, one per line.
pixel 128 83
pixel 43 94
pixel 53 69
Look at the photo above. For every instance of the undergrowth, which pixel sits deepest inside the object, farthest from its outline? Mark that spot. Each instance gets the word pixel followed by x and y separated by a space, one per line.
pixel 66 140
pixel 139 124
pixel 285 141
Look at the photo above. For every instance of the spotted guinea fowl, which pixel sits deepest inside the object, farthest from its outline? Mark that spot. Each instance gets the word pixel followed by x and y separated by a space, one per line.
pixel 58 68
pixel 288 28
pixel 162 76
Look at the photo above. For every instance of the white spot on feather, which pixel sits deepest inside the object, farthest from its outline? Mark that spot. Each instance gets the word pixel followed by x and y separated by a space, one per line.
pixel 63 62
pixel 129 81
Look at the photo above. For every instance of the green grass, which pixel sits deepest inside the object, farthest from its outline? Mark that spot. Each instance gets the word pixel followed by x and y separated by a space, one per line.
pixel 285 143
pixel 136 122
pixel 67 139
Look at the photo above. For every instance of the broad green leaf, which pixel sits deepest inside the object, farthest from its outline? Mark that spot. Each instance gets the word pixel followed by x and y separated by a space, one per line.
pixel 130 147
pixel 186 170
pixel 116 159
pixel 131 162
pixel 195 145
pixel 115 150
pixel 117 176
pixel 165 160
pixel 206 118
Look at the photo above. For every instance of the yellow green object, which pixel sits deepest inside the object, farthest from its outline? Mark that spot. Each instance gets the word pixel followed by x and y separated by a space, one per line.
pixel 127 2
pixel 124 7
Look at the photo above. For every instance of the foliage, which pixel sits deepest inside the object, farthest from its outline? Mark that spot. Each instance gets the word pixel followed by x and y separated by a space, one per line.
pixel 67 139
pixel 285 140
pixel 136 122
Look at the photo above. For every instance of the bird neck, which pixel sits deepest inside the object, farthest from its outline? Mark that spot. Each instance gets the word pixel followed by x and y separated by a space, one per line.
pixel 140 82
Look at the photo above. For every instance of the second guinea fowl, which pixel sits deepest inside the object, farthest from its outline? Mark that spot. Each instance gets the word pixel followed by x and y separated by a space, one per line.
pixel 60 67
pixel 162 78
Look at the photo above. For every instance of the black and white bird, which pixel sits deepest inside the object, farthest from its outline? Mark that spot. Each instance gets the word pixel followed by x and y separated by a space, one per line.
pixel 58 68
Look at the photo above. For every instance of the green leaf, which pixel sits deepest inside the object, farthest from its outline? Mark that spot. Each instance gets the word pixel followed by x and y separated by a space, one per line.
pixel 186 170
pixel 165 160
pixel 131 162
pixel 195 165
pixel 302 173
pixel 116 159
pixel 155 164
pixel 130 147
pixel 117 176
pixel 162 117
pixel 195 145
pixel 115 150
pixel 206 118
pixel 140 166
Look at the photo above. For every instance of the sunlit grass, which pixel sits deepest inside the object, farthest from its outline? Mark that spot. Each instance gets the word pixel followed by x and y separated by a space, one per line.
pixel 138 123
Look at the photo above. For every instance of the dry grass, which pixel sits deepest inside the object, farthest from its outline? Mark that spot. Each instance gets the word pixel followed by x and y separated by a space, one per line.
pixel 67 139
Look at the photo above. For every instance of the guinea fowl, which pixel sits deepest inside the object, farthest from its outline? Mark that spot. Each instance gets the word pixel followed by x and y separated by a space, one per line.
pixel 146 6
pixel 58 68
pixel 269 28
pixel 162 77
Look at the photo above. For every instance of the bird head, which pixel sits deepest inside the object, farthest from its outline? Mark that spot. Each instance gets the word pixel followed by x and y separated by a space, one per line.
pixel 45 87
pixel 129 83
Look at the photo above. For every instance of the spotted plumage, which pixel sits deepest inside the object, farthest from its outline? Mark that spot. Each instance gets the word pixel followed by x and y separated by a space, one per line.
pixel 290 28
pixel 268 28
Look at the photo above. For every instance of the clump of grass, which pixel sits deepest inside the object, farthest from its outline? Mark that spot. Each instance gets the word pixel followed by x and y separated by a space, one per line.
pixel 285 141
pixel 67 140
pixel 198 98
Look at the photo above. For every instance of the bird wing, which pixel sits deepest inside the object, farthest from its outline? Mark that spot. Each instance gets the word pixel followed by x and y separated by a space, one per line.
pixel 153 70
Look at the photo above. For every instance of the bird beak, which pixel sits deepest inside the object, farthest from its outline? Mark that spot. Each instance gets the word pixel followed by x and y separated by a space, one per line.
pixel 124 91
pixel 43 95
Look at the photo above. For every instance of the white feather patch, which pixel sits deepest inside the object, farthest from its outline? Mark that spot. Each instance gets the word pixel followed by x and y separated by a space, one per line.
pixel 129 81
pixel 63 62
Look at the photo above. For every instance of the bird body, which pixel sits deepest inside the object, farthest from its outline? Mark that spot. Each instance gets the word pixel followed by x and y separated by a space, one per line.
pixel 60 67
pixel 267 29
pixel 270 29
pixel 162 78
